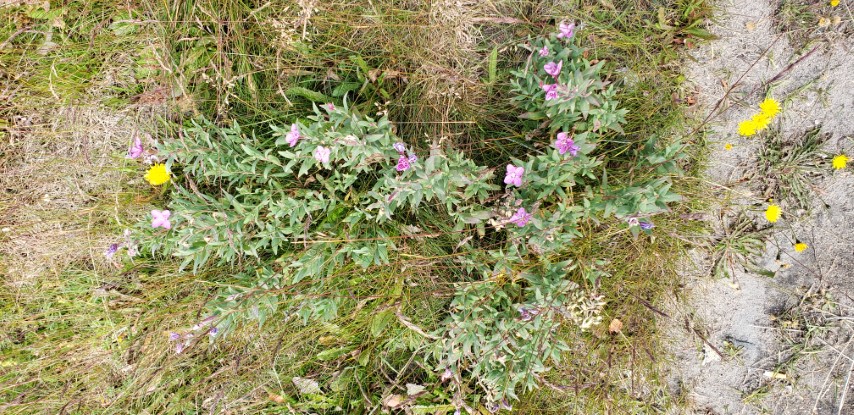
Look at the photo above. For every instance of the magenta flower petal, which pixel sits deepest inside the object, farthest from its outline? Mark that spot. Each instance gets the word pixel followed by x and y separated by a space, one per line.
pixel 321 154
pixel 521 217
pixel 566 30
pixel 403 163
pixel 553 68
pixel 564 144
pixel 514 175
pixel 160 219
pixel 293 136
pixel 135 151
pixel 544 51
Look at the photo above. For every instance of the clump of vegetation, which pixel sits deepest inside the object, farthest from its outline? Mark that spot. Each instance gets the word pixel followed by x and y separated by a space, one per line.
pixel 385 308
pixel 291 211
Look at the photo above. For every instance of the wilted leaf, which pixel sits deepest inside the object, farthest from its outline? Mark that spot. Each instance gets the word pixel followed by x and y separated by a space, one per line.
pixel 393 401
pixel 413 389
pixel 616 326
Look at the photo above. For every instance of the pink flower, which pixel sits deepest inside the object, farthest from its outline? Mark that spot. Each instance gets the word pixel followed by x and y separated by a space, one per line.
pixel 553 69
pixel 544 51
pixel 160 219
pixel 293 136
pixel 400 147
pixel 551 91
pixel 135 150
pixel 330 107
pixel 514 175
pixel 564 143
pixel 521 217
pixel 403 163
pixel 321 154
pixel 566 30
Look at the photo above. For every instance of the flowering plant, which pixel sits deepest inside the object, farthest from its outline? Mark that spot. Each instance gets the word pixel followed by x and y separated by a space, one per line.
pixel 292 209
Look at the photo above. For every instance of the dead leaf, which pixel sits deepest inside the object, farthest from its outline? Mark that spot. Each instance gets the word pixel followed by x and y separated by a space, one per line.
pixel 276 398
pixel 616 326
pixel 413 389
pixel 393 401
pixel 750 26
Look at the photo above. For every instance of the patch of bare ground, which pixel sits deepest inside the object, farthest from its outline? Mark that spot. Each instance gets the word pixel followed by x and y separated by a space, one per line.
pixel 770 329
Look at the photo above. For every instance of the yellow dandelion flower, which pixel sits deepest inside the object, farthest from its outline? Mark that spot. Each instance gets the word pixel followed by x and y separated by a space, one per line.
pixel 727 146
pixel 157 175
pixel 834 3
pixel 761 121
pixel 747 128
pixel 773 213
pixel 801 247
pixel 840 161
pixel 770 107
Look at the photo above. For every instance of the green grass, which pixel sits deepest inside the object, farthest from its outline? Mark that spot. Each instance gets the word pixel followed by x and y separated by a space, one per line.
pixel 94 339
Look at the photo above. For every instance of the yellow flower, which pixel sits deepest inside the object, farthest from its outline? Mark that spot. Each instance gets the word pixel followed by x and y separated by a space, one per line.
pixel 157 174
pixel 747 128
pixel 770 107
pixel 840 161
pixel 727 146
pixel 834 3
pixel 772 213
pixel 761 121
pixel 801 247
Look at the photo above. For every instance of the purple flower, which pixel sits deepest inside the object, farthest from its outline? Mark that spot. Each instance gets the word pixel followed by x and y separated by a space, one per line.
pixel 213 332
pixel 293 136
pixel 544 51
pixel 564 143
pixel 646 225
pixel 514 175
pixel 632 222
pixel 160 219
pixel 111 251
pixel 321 154
pixel 174 336
pixel 447 375
pixel 551 91
pixel 180 347
pixel 403 163
pixel 135 151
pixel 521 217
pixel 330 107
pixel 527 314
pixel 553 69
pixel 400 147
pixel 412 158
pixel 566 30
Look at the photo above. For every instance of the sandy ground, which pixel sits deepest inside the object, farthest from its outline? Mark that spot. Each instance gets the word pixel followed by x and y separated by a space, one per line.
pixel 777 338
